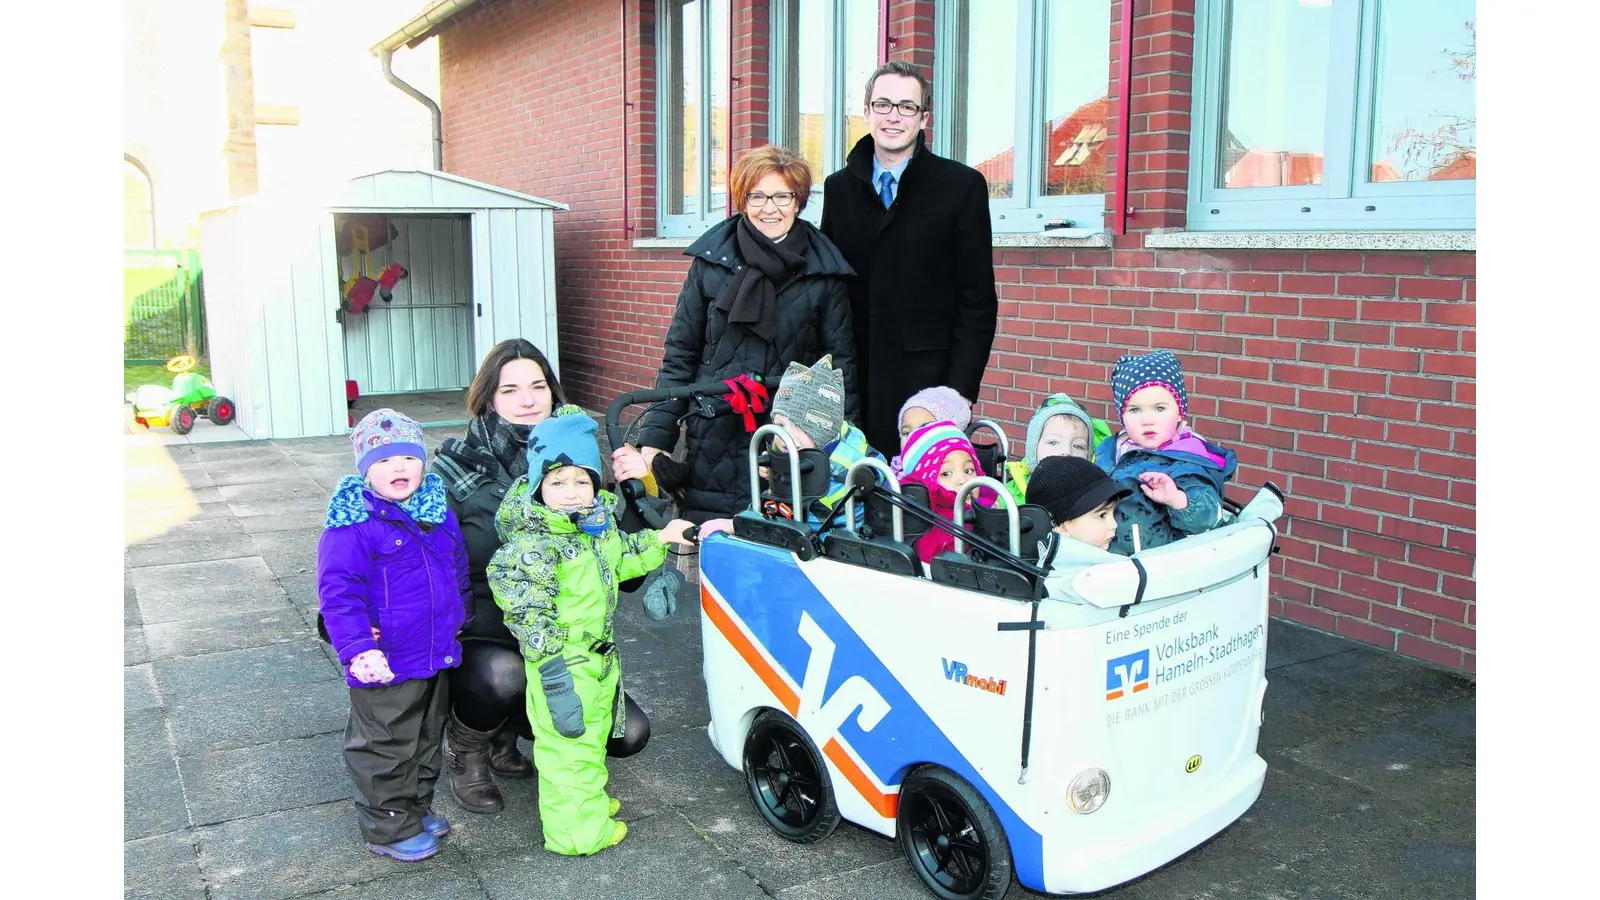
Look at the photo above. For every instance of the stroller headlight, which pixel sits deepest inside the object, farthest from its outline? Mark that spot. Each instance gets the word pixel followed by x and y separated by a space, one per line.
pixel 1088 791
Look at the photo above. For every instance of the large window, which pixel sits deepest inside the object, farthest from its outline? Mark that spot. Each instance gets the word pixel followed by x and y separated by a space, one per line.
pixel 692 162
pixel 1029 74
pixel 1334 114
pixel 822 54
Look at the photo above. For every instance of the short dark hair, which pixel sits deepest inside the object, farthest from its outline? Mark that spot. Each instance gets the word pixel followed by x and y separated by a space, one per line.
pixel 899 67
pixel 480 394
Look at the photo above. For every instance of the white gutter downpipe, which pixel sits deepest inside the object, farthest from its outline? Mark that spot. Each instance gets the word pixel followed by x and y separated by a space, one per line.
pixel 421 27
pixel 386 56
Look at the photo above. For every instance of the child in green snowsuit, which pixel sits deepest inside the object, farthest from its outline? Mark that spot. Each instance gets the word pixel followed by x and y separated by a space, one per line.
pixel 1059 427
pixel 556 578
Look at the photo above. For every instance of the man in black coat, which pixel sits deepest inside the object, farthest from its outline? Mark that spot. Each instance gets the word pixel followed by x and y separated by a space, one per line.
pixel 915 227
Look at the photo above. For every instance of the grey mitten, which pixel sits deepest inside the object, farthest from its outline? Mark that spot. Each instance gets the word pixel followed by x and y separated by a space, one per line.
pixel 566 707
pixel 661 592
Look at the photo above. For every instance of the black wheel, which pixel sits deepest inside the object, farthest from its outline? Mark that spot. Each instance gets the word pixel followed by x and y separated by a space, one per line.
pixel 182 419
pixel 220 410
pixel 951 837
pixel 788 780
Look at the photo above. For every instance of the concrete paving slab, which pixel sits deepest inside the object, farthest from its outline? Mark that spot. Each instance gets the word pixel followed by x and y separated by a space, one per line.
pixel 232 672
pixel 206 453
pixel 134 649
pixel 246 471
pixel 164 867
pixel 200 546
pixel 1296 713
pixel 238 631
pixel 139 688
pixel 1289 643
pixel 206 518
pixel 259 522
pixel 1404 765
pixel 663 858
pixel 144 737
pixel 249 781
pixel 301 589
pixel 1388 683
pixel 302 851
pixel 290 552
pixel 455 883
pixel 152 800
pixel 268 715
pixel 290 487
pixel 686 776
pixel 204 590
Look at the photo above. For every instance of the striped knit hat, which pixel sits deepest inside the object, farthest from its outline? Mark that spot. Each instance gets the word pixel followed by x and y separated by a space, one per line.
pixel 927 447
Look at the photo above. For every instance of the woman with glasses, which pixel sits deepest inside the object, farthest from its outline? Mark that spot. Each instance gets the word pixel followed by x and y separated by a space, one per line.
pixel 765 289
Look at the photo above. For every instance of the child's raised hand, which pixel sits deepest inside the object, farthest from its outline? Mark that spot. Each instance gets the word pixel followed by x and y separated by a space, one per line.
pixel 713 526
pixel 1160 487
pixel 371 667
pixel 674 532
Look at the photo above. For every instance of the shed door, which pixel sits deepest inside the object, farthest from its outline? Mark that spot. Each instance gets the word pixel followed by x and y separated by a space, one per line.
pixel 421 340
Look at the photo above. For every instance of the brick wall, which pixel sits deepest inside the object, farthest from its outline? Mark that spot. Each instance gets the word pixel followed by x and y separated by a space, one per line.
pixel 1347 378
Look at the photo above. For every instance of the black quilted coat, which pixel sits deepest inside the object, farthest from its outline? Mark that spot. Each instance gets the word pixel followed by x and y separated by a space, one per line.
pixel 813 320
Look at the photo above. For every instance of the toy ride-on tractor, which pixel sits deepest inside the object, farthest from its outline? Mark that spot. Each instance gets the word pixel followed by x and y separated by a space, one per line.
pixel 191 395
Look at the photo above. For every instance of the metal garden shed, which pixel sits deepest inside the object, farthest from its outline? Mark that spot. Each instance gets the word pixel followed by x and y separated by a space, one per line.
pixel 283 337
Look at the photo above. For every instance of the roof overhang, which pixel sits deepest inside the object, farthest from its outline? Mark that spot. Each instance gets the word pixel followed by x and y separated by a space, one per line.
pixel 423 25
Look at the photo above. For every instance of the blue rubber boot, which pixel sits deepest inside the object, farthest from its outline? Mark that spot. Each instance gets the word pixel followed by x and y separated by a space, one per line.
pixel 419 846
pixel 435 825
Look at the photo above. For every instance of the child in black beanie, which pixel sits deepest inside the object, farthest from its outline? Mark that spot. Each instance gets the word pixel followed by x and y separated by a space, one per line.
pixel 1080 498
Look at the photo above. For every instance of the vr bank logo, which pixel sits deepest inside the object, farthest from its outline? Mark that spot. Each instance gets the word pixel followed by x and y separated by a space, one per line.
pixel 1127 674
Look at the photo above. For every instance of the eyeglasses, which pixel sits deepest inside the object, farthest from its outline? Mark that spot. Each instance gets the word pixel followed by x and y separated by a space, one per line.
pixel 756 200
pixel 907 109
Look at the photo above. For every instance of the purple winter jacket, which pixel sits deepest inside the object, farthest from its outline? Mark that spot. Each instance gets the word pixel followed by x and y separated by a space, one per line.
pixel 376 566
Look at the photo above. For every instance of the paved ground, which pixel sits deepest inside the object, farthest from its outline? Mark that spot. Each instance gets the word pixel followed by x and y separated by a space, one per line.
pixel 234 786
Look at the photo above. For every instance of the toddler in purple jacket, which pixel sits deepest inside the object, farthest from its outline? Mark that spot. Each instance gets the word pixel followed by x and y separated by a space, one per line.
pixel 394 593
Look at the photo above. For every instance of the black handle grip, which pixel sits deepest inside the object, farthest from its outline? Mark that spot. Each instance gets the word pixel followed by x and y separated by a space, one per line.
pixel 633 488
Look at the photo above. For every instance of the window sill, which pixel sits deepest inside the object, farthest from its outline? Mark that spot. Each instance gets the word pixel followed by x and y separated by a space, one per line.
pixel 1069 238
pixel 1466 241
pixel 663 243
pixel 1065 237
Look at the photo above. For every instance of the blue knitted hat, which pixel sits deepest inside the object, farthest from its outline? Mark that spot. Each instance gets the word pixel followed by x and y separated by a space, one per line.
pixel 383 433
pixel 565 439
pixel 1134 373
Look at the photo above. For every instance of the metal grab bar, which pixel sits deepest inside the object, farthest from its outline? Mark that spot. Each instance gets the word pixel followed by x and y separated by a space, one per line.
pixel 793 452
pixel 881 467
pixel 1012 519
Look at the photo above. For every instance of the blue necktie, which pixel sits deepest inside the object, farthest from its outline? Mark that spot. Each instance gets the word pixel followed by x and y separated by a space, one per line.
pixel 886 188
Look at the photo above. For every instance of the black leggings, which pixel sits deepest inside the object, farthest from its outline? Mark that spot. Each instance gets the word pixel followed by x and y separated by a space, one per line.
pixel 491 687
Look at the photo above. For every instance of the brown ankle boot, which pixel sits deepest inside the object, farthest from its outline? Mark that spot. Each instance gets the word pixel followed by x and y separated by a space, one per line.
pixel 504 758
pixel 466 756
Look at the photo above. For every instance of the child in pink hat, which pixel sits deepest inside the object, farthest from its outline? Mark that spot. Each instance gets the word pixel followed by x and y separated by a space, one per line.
pixel 939 457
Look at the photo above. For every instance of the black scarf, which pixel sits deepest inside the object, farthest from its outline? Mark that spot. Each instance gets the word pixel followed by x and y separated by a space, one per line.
pixel 492 445
pixel 751 297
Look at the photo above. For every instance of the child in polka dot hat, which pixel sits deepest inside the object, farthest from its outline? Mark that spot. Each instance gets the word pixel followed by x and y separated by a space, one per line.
pixel 1175 476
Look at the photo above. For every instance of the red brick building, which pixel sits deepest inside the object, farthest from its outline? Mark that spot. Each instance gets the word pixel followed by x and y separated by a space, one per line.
pixel 1326 319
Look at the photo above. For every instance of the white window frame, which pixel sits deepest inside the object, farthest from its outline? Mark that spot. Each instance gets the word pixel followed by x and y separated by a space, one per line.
pixel 840 94
pixel 713 207
pixel 1025 211
pixel 1345 200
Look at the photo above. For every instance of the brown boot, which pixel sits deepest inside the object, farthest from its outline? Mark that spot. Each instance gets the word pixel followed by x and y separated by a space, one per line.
pixel 504 758
pixel 466 756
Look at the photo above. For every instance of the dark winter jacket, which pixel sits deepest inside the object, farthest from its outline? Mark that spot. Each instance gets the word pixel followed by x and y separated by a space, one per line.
pixel 1197 476
pixel 923 304
pixel 377 566
pixel 813 320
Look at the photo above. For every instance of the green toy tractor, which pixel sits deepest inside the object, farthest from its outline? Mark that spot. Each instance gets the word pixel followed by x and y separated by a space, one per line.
pixel 191 395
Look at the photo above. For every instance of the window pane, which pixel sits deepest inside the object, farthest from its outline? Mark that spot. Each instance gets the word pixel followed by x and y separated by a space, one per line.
pixel 806 84
pixel 682 106
pixel 983 122
pixel 860 59
pixel 1275 93
pixel 1077 54
pixel 1425 116
pixel 718 67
